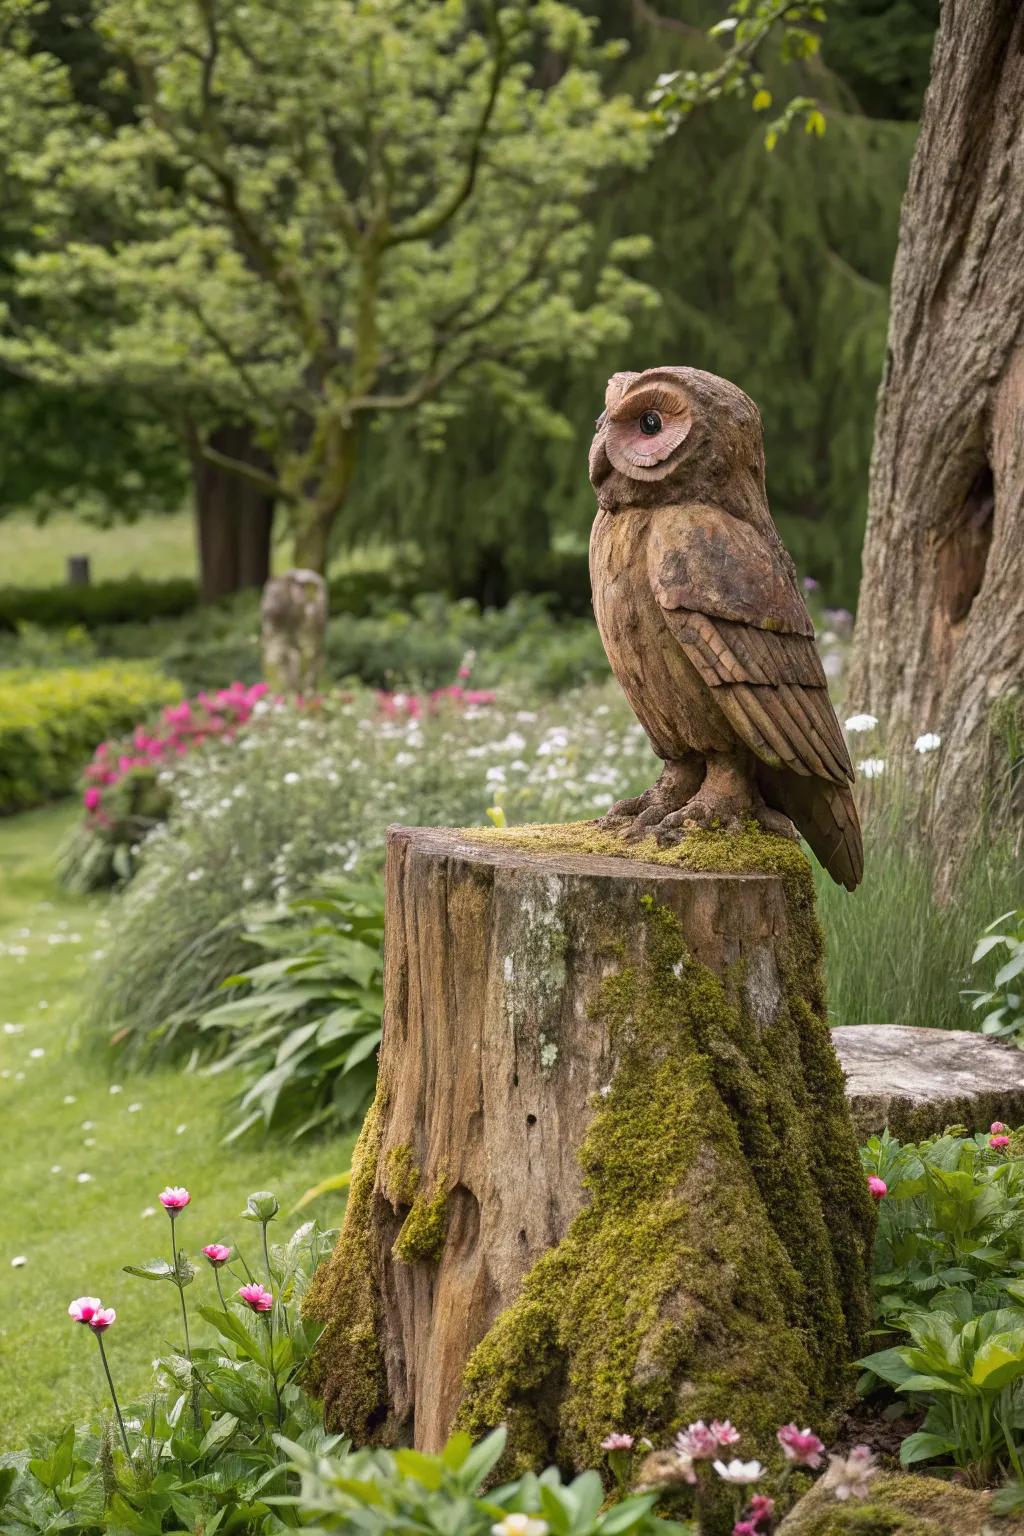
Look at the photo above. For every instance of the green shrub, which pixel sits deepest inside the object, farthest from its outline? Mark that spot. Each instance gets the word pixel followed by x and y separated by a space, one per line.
pixel 51 721
pixel 107 602
pixel 949 1260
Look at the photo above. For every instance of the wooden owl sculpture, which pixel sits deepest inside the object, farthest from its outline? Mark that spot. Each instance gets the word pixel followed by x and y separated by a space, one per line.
pixel 704 624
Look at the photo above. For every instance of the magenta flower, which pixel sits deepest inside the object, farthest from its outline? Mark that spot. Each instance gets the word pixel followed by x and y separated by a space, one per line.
pixel 724 1432
pixel 745 1528
pixel 998 1142
pixel 84 1308
pixel 91 798
pixel 174 1198
pixel 761 1508
pixel 697 1441
pixel 256 1297
pixel 617 1442
pixel 800 1446
pixel 217 1254
pixel 877 1188
pixel 997 1127
pixel 102 1319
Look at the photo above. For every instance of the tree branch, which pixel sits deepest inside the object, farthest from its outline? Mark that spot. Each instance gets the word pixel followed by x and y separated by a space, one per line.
pixel 258 477
pixel 428 224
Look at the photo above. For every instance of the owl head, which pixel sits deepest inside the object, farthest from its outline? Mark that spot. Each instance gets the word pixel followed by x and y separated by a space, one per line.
pixel 676 434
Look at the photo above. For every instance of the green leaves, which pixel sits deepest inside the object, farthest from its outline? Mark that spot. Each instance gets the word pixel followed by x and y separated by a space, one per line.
pixel 308 1028
pixel 1004 999
pixel 180 1274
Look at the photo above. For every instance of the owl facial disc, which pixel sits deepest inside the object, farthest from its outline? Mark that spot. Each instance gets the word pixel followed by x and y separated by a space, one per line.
pixel 645 426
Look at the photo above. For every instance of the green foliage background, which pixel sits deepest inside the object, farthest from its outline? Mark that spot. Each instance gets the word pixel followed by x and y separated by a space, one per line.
pixel 771 268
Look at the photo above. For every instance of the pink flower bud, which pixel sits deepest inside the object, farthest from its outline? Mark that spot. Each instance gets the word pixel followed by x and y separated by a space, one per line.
pixel 761 1508
pixel 998 1142
pixel 997 1127
pixel 256 1297
pixel 91 798
pixel 217 1254
pixel 724 1432
pixel 174 1198
pixel 617 1442
pixel 877 1188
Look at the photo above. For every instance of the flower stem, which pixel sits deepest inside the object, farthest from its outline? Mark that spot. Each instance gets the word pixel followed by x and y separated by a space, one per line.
pixel 113 1394
pixel 270 1277
pixel 181 1288
pixel 220 1293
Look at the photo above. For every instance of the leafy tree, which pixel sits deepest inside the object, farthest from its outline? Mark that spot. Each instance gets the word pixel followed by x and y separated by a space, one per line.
pixel 771 268
pixel 324 215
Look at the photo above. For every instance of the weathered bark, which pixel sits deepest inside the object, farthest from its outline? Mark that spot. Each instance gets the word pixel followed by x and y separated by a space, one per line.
pixel 609 1179
pixel 234 518
pixel 939 643
pixel 294 621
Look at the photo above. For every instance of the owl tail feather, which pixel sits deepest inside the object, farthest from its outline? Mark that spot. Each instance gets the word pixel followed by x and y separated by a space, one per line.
pixel 826 815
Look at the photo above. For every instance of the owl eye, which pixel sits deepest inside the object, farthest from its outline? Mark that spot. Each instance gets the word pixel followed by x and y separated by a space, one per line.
pixel 650 423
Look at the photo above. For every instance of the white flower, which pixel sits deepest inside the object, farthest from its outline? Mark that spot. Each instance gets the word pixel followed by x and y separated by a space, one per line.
pixel 849 1478
pixel 871 767
pixel 69 1098
pixel 861 723
pixel 18 1261
pixel 928 742
pixel 291 778
pixel 149 1211
pixel 56 1168
pixel 133 1109
pixel 520 1525
pixel 83 1178
pixel 739 1471
pixel 37 1052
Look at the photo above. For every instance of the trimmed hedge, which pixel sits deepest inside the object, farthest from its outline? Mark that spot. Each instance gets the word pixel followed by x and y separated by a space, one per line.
pixel 51 722
pixel 108 602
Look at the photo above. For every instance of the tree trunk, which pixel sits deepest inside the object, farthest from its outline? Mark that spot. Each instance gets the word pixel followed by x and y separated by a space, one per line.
pixel 234 519
pixel 609 1180
pixel 294 622
pixel 938 644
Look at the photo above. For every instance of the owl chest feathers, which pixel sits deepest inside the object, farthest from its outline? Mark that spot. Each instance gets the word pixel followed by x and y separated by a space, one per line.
pixel 665 691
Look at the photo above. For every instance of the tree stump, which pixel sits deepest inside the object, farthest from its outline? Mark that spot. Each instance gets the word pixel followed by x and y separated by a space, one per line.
pixel 609 1180
pixel 294 620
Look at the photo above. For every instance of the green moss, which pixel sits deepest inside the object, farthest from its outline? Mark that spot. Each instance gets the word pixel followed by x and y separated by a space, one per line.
pixel 421 1239
pixel 402 1176
pixel 899 1505
pixel 719 1267
pixel 348 1366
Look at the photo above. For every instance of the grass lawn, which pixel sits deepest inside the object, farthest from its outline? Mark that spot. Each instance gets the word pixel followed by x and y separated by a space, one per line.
pixel 36 554
pixel 62 1121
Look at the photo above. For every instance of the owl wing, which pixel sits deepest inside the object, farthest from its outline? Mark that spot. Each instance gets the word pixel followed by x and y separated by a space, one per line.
pixel 730 599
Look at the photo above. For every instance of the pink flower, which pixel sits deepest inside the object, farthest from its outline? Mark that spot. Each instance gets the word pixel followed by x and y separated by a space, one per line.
pixel 174 1198
pixel 724 1432
pixel 800 1445
pixel 877 1188
pixel 997 1127
pixel 256 1297
pixel 84 1308
pixel 998 1142
pixel 810 585
pixel 463 673
pixel 217 1254
pixel 91 798
pixel 744 1528
pixel 101 1320
pixel 697 1441
pixel 761 1508
pixel 617 1442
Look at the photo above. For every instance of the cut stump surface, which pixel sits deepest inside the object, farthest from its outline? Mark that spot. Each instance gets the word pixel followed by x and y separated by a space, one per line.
pixel 609 1180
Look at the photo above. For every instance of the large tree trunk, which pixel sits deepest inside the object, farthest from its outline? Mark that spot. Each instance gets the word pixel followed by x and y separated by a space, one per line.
pixel 939 644
pixel 234 518
pixel 609 1180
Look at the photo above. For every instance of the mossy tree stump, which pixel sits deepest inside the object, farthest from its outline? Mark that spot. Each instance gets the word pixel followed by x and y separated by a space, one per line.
pixel 609 1180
